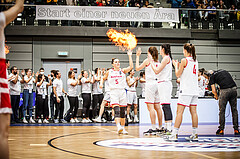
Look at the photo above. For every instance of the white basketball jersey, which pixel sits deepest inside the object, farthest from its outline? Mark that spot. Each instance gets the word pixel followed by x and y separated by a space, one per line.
pixel 133 87
pixel 150 74
pixel 107 86
pixel 116 79
pixel 189 78
pixel 201 83
pixel 166 73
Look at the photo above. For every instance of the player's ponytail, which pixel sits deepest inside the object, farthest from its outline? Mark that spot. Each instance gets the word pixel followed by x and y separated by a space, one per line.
pixel 167 49
pixel 190 48
pixel 154 52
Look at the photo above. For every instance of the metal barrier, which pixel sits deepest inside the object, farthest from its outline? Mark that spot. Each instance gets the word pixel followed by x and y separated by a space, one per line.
pixel 222 19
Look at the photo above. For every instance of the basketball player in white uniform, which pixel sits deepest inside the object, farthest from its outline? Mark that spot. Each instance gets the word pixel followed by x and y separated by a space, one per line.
pixel 164 69
pixel 106 99
pixel 5 106
pixel 142 83
pixel 117 82
pixel 201 83
pixel 188 95
pixel 132 83
pixel 151 89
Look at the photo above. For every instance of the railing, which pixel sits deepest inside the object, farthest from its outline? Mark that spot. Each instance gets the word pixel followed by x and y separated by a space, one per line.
pixel 189 19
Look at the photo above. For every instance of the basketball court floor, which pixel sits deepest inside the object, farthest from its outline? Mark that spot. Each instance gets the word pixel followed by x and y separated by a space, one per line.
pixel 65 141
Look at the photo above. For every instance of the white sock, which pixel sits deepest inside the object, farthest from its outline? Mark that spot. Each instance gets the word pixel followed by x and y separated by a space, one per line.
pixel 169 126
pixel 153 126
pixel 175 130
pixel 118 125
pixel 112 117
pixel 128 116
pixel 194 130
pixel 160 127
pixel 135 116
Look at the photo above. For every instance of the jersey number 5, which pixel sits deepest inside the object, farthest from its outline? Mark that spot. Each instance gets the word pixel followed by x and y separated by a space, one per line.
pixel 194 69
pixel 116 80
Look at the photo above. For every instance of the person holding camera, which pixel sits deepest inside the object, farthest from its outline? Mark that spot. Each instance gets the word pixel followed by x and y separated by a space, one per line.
pixel 228 93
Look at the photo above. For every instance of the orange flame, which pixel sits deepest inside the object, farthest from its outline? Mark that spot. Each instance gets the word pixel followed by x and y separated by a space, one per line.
pixel 125 40
pixel 7 48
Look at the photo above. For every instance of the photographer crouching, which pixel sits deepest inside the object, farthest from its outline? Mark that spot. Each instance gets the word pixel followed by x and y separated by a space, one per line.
pixel 228 93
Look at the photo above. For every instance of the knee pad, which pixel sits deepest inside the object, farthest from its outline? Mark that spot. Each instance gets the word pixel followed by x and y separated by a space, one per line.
pixel 117 112
pixel 167 112
pixel 122 112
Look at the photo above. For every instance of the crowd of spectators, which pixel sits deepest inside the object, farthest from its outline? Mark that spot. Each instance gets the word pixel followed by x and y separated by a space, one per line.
pixel 231 5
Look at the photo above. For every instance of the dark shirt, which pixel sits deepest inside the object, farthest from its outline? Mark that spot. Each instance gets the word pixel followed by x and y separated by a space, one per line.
pixel 223 79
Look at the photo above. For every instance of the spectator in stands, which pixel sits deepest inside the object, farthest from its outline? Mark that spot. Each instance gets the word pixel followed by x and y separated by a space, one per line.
pixel 176 3
pixel 188 4
pixel 99 3
pixel 233 13
pixel 210 14
pixel 222 14
pixel 28 95
pixel 15 90
pixel 200 14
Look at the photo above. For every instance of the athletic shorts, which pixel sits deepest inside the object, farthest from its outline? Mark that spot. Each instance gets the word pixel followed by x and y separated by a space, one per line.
pixel 107 96
pixel 131 97
pixel 5 105
pixel 187 100
pixel 118 97
pixel 151 93
pixel 165 92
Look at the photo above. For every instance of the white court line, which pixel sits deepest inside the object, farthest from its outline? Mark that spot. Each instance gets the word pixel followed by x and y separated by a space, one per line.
pixel 114 131
pixel 38 144
pixel 11 139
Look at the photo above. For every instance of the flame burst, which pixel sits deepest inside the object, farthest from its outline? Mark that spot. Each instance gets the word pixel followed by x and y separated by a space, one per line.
pixel 125 40
pixel 7 48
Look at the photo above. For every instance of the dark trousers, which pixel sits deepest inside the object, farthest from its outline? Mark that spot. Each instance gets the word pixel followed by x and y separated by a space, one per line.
pixel 97 99
pixel 86 104
pixel 59 108
pixel 228 95
pixel 52 103
pixel 42 107
pixel 73 101
pixel 15 99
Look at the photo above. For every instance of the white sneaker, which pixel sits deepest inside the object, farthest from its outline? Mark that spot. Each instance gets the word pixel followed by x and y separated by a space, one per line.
pixel 31 121
pixel 63 121
pixel 104 120
pixel 97 120
pixel 124 132
pixel 72 121
pixel 76 120
pixel 173 137
pixel 193 137
pixel 45 121
pixel 89 120
pixel 120 130
pixel 25 121
pixel 84 121
pixel 136 120
pixel 129 120
pixel 39 121
pixel 56 121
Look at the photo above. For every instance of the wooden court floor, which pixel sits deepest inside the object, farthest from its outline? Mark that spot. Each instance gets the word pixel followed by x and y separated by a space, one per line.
pixel 66 142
